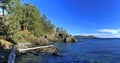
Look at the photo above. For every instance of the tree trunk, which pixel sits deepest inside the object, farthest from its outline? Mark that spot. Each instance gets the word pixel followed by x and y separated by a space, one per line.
pixel 3 12
pixel 26 29
pixel 26 26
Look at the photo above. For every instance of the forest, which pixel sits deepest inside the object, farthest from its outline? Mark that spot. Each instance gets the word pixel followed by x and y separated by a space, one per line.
pixel 24 23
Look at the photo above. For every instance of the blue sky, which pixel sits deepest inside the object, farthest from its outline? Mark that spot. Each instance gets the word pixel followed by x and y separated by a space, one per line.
pixel 83 17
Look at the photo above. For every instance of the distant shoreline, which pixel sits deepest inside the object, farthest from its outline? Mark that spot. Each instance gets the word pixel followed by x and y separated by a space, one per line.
pixel 80 36
pixel 92 37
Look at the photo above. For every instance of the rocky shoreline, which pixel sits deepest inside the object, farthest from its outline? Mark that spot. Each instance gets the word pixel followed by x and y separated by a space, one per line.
pixel 4 54
pixel 5 46
pixel 56 37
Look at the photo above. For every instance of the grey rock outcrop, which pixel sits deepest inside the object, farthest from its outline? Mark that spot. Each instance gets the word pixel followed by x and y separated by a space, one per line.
pixel 42 41
pixel 60 37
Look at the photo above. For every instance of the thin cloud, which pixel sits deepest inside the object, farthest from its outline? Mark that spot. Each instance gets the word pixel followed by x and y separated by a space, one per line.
pixel 112 31
pixel 104 33
pixel 100 35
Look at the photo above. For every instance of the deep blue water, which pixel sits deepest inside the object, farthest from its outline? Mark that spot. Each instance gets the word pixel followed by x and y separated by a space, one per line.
pixel 89 51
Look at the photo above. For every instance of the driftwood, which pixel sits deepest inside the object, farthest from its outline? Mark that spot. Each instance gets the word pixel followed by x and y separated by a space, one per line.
pixel 23 50
pixel 11 58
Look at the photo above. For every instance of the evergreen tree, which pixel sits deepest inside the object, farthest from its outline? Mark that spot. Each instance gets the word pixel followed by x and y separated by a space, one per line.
pixel 24 18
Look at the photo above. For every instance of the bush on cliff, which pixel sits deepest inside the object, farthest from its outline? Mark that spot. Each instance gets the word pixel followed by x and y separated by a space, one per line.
pixel 24 36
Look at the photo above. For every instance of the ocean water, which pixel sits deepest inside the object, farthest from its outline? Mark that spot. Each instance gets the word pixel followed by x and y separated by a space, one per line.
pixel 89 51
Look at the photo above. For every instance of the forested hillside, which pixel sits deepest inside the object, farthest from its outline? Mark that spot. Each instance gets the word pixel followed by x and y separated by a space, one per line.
pixel 24 23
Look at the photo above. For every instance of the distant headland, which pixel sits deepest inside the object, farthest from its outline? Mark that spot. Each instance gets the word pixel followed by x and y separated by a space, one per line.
pixel 81 36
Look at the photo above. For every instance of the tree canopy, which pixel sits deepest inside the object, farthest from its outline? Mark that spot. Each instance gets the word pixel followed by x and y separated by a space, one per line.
pixel 26 18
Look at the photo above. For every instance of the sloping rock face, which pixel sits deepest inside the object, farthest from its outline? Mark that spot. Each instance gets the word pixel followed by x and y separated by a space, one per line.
pixel 23 45
pixel 50 50
pixel 42 41
pixel 5 44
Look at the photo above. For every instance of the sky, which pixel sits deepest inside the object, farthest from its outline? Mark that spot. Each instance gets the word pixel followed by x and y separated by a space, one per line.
pixel 83 17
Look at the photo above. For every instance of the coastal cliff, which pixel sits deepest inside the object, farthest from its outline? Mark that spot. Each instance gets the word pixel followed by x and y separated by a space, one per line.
pixel 60 37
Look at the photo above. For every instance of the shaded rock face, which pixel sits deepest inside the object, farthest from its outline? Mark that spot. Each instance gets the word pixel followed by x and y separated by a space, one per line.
pixel 69 39
pixel 60 37
pixel 54 37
